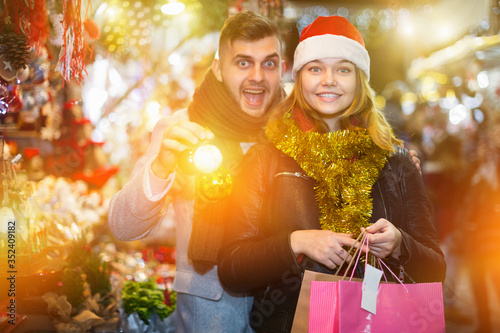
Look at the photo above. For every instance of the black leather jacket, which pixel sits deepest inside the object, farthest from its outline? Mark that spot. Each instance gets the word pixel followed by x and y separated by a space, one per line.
pixel 256 255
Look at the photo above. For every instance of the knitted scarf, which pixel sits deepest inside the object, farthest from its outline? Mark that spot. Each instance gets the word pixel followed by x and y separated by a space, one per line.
pixel 214 108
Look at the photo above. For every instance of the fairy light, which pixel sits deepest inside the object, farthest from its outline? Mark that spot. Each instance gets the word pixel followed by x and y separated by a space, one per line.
pixel 173 8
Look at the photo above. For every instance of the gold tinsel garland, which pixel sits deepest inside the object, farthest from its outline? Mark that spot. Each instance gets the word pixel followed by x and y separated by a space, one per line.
pixel 345 164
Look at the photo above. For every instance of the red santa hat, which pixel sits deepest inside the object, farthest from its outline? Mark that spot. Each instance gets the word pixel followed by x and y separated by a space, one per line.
pixel 331 37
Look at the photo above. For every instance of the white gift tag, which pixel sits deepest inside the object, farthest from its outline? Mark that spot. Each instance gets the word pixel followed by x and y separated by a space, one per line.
pixel 370 289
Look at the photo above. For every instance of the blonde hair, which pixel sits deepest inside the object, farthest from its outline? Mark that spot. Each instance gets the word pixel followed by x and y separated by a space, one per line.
pixel 362 113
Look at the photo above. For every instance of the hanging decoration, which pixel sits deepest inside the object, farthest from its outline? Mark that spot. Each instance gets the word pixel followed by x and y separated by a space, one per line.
pixel 14 54
pixel 74 47
pixel 26 18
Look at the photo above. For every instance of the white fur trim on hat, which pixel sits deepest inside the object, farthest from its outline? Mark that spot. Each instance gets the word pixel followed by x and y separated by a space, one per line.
pixel 321 47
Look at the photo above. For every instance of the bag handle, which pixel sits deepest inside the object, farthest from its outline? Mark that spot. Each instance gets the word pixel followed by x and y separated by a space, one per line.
pixel 364 241
pixel 360 237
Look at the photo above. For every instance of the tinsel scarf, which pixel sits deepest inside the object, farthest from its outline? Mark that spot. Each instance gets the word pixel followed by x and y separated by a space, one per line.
pixel 345 165
pixel 213 107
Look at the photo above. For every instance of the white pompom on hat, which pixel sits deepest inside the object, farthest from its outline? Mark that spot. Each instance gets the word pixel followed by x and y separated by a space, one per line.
pixel 331 37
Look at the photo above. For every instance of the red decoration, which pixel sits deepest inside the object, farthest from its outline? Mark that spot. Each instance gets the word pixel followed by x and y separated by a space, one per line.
pixel 69 104
pixel 91 29
pixel 39 26
pixel 29 18
pixel 75 46
pixel 30 152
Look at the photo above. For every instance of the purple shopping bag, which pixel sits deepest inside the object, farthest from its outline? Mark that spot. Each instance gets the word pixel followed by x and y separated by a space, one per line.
pixel 411 308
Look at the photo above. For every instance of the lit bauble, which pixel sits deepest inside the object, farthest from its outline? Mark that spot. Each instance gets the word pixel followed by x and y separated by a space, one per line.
pixel 214 186
pixel 207 158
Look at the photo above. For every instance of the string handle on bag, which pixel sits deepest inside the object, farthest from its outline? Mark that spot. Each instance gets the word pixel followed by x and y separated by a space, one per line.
pixel 364 236
pixel 353 256
pixel 365 240
pixel 382 262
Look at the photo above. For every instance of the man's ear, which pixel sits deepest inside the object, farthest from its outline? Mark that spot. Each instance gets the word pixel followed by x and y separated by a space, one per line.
pixel 283 68
pixel 217 70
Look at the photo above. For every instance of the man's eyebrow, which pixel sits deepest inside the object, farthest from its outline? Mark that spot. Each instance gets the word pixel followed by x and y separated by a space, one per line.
pixel 248 57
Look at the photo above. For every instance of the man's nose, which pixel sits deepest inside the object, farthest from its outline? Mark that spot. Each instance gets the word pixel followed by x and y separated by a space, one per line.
pixel 256 74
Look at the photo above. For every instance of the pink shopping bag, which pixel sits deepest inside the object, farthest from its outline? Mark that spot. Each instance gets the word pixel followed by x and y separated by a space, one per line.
pixel 323 311
pixel 411 308
pixel 336 307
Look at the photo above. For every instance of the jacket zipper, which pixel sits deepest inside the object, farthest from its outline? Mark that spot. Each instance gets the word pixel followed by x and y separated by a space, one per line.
pixel 293 174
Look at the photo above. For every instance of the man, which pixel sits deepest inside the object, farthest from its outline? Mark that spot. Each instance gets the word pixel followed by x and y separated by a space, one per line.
pixel 229 109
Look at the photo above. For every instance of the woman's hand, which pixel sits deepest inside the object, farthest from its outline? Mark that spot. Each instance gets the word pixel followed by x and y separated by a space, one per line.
pixel 384 239
pixel 416 160
pixel 324 246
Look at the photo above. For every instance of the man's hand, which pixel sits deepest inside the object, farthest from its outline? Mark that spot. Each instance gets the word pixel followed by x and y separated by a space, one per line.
pixel 324 246
pixel 384 239
pixel 416 160
pixel 177 138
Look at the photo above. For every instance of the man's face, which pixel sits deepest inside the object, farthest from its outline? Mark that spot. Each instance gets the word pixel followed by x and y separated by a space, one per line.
pixel 251 72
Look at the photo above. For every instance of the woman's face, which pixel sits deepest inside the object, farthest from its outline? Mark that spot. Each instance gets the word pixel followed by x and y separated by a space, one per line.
pixel 328 86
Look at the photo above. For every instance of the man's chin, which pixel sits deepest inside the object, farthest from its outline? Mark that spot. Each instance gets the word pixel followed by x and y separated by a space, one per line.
pixel 253 111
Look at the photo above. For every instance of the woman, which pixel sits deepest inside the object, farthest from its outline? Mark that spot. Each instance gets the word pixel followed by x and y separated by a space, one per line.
pixel 331 168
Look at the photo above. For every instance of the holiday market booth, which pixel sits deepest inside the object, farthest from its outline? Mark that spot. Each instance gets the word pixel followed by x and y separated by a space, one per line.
pixel 82 83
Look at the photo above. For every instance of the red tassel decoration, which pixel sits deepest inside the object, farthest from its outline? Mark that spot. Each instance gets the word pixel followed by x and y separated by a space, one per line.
pixel 39 25
pixel 74 50
pixel 91 29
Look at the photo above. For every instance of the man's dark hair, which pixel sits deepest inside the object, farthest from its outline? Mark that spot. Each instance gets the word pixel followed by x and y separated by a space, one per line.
pixel 248 26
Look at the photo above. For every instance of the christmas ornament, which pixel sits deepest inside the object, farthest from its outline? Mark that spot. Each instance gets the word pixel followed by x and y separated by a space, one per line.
pixel 27 18
pixel 14 50
pixel 207 158
pixel 345 164
pixel 214 186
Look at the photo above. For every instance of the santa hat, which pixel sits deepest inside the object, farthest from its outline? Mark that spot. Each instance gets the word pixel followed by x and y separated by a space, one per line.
pixel 331 37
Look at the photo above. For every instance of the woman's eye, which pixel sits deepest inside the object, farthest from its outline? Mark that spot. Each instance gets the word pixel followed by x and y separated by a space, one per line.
pixel 314 69
pixel 345 70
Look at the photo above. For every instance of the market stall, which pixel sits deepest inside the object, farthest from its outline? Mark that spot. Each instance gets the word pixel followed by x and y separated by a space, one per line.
pixel 82 83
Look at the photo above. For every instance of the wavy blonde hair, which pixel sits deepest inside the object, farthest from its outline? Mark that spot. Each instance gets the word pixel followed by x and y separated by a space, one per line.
pixel 362 112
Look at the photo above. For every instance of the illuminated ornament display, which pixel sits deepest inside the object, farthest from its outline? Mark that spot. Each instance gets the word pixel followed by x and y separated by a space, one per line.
pixel 214 186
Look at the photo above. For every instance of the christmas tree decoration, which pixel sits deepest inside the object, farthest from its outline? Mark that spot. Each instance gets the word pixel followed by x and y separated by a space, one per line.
pixel 207 158
pixel 214 186
pixel 14 52
pixel 28 18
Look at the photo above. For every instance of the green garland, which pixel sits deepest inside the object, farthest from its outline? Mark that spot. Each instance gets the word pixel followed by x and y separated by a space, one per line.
pixel 345 165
